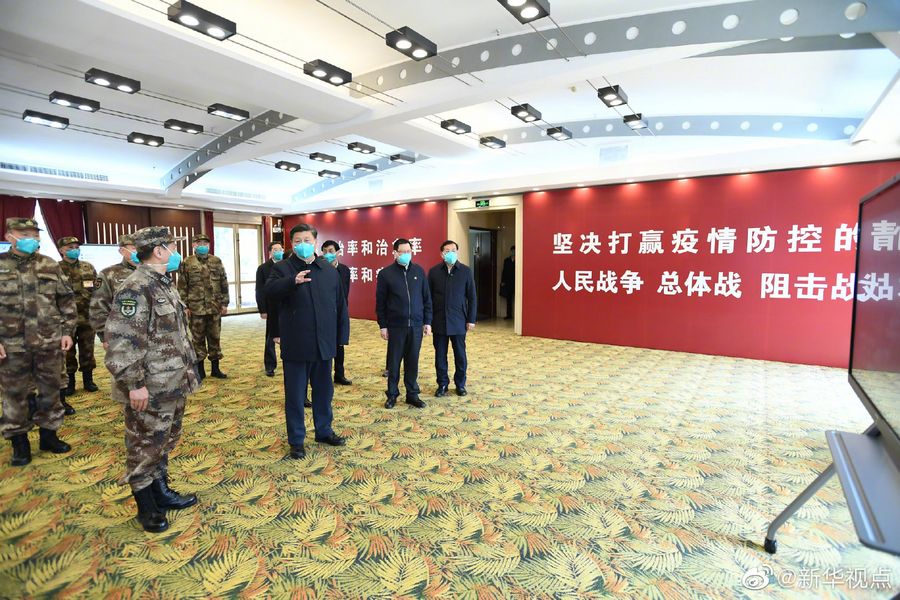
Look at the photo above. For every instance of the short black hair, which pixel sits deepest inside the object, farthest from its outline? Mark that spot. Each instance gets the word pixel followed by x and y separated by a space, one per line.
pixel 399 242
pixel 275 243
pixel 301 227
pixel 146 253
pixel 513 247
pixel 333 244
pixel 447 242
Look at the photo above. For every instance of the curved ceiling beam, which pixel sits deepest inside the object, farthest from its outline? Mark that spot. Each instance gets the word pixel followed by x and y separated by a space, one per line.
pixel 739 21
pixel 349 175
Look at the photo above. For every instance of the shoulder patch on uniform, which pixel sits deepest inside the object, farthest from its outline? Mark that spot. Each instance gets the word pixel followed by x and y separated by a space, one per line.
pixel 128 307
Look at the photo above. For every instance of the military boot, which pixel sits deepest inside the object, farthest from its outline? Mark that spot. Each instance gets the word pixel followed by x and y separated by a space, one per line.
pixel 216 372
pixel 166 497
pixel 51 443
pixel 70 389
pixel 150 516
pixel 201 370
pixel 68 409
pixel 88 378
pixel 21 448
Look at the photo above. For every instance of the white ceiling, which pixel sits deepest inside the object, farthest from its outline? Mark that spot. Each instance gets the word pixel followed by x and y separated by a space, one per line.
pixel 47 45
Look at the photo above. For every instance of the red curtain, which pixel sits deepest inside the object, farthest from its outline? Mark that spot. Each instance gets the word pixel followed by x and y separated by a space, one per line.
pixel 208 225
pixel 14 206
pixel 63 218
pixel 267 234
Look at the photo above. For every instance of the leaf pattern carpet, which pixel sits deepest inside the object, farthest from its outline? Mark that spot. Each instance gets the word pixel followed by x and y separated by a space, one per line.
pixel 570 471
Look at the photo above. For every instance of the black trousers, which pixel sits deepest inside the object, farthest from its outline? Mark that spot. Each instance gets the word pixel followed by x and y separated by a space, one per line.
pixel 270 360
pixel 510 302
pixel 297 375
pixel 441 343
pixel 339 363
pixel 404 344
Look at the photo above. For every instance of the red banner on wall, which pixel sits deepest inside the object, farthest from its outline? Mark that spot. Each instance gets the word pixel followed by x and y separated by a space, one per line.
pixel 756 265
pixel 366 236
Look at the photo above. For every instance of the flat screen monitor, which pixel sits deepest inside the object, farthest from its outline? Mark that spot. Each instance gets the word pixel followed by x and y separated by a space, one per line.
pixel 875 338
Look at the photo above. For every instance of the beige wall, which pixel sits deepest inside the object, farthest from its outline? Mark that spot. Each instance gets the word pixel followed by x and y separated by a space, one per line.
pixel 504 216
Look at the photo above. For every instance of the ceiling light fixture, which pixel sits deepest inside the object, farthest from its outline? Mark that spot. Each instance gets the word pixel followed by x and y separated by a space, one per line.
pixel 635 121
pixel 287 166
pixel 229 112
pixel 526 112
pixel 74 102
pixel 327 72
pixel 411 43
pixel 176 125
pixel 612 96
pixel 527 11
pixel 493 142
pixel 559 133
pixel 405 159
pixel 322 157
pixel 361 148
pixel 455 126
pixel 145 139
pixel 39 118
pixel 329 174
pixel 200 20
pixel 111 80
pixel 365 167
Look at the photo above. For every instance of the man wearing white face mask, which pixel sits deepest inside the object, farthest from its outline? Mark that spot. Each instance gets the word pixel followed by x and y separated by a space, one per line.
pixel 403 309
pixel 453 293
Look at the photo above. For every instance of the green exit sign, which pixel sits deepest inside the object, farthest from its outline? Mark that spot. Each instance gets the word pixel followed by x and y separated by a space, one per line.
pixel 482 203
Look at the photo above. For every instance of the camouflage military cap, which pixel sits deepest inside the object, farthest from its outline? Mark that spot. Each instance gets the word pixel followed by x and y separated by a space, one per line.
pixel 21 223
pixel 150 237
pixel 126 240
pixel 201 237
pixel 65 241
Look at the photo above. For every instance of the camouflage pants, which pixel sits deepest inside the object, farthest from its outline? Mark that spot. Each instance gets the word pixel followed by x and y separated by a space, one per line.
pixel 206 331
pixel 19 372
pixel 84 341
pixel 149 437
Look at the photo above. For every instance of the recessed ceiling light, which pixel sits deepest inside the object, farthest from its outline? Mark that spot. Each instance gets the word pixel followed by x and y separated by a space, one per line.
pixel 101 81
pixel 189 20
pixel 403 44
pixel 216 32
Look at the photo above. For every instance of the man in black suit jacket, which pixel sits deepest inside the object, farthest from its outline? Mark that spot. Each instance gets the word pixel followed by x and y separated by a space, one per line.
pixel 276 253
pixel 453 295
pixel 313 322
pixel 330 251
pixel 508 282
pixel 403 309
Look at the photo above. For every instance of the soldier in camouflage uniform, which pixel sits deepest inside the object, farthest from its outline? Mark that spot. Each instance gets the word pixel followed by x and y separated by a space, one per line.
pixel 37 316
pixel 83 280
pixel 152 364
pixel 111 278
pixel 203 285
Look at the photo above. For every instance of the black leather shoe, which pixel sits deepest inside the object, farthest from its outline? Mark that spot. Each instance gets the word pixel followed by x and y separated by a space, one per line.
pixel 270 373
pixel 390 402
pixel 307 404
pixel 168 498
pixel 51 443
pixel 342 381
pixel 70 389
pixel 297 452
pixel 150 516
pixel 461 392
pixel 88 378
pixel 415 401
pixel 441 391
pixel 21 448
pixel 332 440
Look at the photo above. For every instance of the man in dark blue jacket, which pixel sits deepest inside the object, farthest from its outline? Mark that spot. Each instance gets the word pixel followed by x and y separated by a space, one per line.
pixel 453 294
pixel 330 251
pixel 403 309
pixel 276 253
pixel 313 322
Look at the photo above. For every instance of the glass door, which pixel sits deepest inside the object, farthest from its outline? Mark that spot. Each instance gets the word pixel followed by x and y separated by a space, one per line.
pixel 239 248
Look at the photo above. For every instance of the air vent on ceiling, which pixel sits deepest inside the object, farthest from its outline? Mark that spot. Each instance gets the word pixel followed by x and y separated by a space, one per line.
pixel 235 194
pixel 54 172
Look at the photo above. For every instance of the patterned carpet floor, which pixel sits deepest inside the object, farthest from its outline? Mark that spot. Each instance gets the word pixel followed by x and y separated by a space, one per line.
pixel 570 471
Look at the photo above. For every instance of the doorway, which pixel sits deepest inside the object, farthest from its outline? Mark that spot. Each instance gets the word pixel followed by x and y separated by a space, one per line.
pixel 240 249
pixel 483 258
